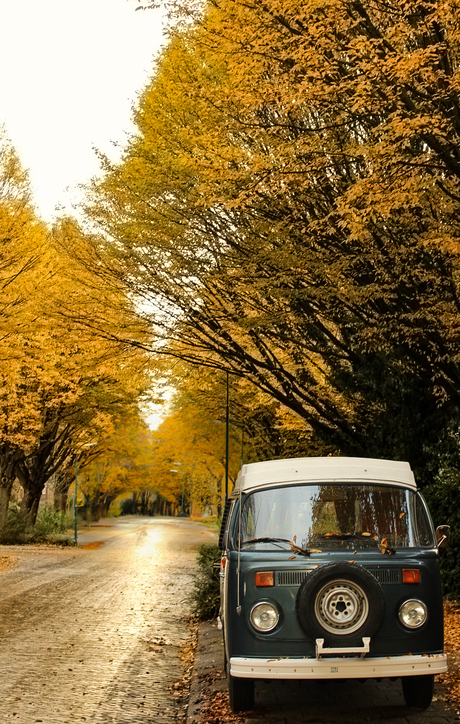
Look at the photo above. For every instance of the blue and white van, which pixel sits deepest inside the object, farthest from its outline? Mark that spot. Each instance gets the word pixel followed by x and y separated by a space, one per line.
pixel 330 570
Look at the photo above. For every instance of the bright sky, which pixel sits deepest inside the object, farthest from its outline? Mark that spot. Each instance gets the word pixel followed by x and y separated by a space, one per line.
pixel 71 73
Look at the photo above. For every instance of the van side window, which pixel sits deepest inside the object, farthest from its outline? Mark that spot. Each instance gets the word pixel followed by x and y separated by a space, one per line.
pixel 424 532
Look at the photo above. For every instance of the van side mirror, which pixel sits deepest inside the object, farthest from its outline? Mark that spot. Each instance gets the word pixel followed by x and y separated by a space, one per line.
pixel 442 535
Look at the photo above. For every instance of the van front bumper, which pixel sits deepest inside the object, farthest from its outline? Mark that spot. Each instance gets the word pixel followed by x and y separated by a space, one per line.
pixel 338 668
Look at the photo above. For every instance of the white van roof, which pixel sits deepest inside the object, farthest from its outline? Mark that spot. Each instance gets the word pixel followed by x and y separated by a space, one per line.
pixel 323 470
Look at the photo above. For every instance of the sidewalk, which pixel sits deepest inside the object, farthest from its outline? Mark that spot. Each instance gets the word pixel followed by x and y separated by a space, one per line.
pixel 298 702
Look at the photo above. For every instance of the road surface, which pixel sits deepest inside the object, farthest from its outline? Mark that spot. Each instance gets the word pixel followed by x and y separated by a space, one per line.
pixel 99 635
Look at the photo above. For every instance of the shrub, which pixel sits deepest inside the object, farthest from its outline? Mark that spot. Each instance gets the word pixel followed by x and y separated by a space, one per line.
pixel 49 521
pixel 50 527
pixel 13 531
pixel 205 594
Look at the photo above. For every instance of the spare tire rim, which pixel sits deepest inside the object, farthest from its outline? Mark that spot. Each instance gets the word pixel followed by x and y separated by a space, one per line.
pixel 341 607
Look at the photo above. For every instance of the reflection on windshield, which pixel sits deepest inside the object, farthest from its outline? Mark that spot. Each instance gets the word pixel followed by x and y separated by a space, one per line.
pixel 351 516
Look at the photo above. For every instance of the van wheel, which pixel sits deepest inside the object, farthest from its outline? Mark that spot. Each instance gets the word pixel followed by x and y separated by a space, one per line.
pixel 241 693
pixel 418 691
pixel 340 602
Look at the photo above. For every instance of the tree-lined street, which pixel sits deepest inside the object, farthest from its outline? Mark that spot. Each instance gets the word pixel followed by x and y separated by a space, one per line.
pixel 97 635
pixel 276 249
pixel 268 268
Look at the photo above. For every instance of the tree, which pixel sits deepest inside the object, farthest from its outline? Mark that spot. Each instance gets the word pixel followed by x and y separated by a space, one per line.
pixel 288 211
pixel 59 386
pixel 258 425
pixel 22 237
pixel 191 444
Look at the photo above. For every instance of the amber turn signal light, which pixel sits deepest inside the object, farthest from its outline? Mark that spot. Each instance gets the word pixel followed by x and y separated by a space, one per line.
pixel 265 578
pixel 411 575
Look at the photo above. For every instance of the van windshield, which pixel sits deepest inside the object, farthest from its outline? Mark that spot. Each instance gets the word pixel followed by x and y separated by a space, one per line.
pixel 335 516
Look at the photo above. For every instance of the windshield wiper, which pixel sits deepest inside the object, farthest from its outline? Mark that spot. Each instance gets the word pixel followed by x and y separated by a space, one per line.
pixel 350 536
pixel 265 540
pixel 293 546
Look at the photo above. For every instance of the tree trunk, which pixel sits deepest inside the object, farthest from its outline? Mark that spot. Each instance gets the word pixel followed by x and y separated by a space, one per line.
pixel 33 471
pixel 5 493
pixel 33 486
pixel 144 502
pixel 60 501
pixel 95 507
pixel 8 460
pixel 61 490
pixel 30 503
pixel 135 503
pixel 105 505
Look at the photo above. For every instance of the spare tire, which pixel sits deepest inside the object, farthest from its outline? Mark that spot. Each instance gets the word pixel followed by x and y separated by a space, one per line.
pixel 340 603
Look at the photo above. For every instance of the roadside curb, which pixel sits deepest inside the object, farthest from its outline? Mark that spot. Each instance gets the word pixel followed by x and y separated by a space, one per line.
pixel 208 677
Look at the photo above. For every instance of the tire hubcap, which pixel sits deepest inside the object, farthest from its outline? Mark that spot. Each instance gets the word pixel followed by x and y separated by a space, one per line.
pixel 341 607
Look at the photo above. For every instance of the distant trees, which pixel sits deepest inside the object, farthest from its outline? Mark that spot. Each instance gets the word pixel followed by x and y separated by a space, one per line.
pixel 189 464
pixel 120 462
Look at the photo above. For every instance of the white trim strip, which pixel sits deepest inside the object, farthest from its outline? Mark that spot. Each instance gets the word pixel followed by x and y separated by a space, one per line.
pixel 338 668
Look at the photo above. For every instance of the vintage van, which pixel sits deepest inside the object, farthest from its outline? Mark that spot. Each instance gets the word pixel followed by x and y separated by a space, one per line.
pixel 330 570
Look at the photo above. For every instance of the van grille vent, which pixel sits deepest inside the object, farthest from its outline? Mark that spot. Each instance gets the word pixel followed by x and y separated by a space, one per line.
pixel 295 578
pixel 291 578
pixel 386 575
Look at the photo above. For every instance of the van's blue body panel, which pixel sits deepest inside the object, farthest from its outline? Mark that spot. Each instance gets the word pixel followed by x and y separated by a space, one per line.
pixel 288 639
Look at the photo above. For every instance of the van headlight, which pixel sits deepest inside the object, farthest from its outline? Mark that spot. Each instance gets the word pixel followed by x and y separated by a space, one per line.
pixel 264 617
pixel 413 613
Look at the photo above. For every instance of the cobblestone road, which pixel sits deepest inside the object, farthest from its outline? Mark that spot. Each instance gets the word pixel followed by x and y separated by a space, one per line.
pixel 96 635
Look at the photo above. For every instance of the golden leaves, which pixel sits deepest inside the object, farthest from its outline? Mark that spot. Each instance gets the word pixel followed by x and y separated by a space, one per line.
pixel 300 551
pixel 385 549
pixel 282 148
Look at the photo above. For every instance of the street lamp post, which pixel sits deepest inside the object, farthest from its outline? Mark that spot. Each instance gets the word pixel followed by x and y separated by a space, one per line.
pixel 183 491
pixel 75 502
pixel 182 511
pixel 227 438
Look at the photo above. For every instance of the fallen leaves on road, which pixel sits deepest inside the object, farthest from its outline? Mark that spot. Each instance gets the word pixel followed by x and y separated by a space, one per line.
pixel 6 562
pixel 92 546
pixel 180 689
pixel 217 711
pixel 451 679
